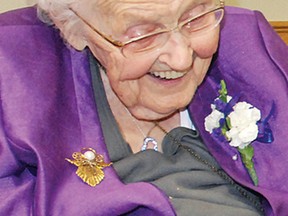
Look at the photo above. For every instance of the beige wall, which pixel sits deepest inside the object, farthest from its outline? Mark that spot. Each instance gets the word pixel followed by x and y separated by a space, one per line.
pixel 6 5
pixel 274 10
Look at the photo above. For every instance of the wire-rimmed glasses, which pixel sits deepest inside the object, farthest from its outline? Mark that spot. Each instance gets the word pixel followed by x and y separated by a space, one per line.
pixel 191 27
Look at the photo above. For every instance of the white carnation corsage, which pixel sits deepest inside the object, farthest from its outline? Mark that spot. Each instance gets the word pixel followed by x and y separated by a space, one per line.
pixel 240 124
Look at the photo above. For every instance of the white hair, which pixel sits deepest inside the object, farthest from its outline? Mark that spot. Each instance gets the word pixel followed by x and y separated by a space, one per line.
pixel 57 12
pixel 51 11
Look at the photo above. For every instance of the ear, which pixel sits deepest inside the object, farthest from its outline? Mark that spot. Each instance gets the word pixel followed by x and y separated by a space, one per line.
pixel 102 50
pixel 77 41
pixel 73 32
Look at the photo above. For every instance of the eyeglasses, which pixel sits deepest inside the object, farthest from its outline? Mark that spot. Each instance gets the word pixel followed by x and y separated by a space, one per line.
pixel 191 27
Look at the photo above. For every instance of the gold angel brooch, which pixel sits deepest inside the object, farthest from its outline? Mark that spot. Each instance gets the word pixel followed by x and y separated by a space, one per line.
pixel 90 165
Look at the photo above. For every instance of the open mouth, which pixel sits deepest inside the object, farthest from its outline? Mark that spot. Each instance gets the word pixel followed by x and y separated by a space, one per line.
pixel 168 75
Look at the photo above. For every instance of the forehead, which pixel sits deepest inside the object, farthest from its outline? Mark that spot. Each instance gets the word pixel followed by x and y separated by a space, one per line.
pixel 112 16
pixel 149 7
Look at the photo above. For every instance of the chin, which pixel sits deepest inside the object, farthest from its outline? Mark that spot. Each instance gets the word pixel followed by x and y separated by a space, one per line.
pixel 144 113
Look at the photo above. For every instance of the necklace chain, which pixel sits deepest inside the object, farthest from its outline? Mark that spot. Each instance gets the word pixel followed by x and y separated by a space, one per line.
pixel 214 169
pixel 134 121
pixel 147 139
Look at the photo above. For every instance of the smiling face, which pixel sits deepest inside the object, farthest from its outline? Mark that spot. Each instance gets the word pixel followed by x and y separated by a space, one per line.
pixel 157 82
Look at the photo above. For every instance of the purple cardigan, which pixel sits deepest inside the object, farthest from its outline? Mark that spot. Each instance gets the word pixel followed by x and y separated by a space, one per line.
pixel 48 112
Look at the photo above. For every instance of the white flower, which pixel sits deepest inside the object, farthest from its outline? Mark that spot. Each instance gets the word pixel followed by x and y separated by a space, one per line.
pixel 244 127
pixel 212 120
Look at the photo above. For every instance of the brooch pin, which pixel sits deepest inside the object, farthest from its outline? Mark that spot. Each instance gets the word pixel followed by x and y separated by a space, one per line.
pixel 90 165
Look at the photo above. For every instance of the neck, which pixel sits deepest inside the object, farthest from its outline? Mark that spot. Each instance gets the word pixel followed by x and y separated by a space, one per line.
pixel 134 130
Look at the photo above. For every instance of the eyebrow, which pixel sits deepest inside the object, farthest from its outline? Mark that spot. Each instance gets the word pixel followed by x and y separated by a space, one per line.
pixel 149 16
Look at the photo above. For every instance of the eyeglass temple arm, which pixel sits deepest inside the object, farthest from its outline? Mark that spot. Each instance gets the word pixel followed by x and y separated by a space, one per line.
pixel 107 38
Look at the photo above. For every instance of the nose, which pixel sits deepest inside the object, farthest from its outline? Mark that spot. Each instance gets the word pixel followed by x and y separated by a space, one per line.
pixel 177 52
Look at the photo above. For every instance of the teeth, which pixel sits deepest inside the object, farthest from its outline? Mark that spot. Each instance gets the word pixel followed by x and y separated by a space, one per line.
pixel 168 74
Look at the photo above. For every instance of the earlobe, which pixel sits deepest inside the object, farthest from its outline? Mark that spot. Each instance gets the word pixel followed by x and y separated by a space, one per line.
pixel 78 42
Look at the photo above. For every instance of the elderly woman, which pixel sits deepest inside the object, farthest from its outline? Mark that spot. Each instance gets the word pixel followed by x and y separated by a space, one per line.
pixel 139 100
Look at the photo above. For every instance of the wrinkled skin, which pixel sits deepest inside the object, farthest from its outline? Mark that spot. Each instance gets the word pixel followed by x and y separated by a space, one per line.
pixel 146 96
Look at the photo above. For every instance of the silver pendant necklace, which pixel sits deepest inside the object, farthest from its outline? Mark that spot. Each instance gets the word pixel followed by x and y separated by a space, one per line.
pixel 147 139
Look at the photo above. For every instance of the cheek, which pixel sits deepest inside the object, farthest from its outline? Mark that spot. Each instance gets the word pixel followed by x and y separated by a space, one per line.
pixel 207 45
pixel 124 69
pixel 201 68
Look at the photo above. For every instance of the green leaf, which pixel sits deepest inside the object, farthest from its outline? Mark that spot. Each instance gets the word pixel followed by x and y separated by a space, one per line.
pixel 228 123
pixel 223 91
pixel 247 155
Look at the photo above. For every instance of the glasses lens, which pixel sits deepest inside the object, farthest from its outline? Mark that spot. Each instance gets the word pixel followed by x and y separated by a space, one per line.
pixel 203 23
pixel 145 44
pixel 192 28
